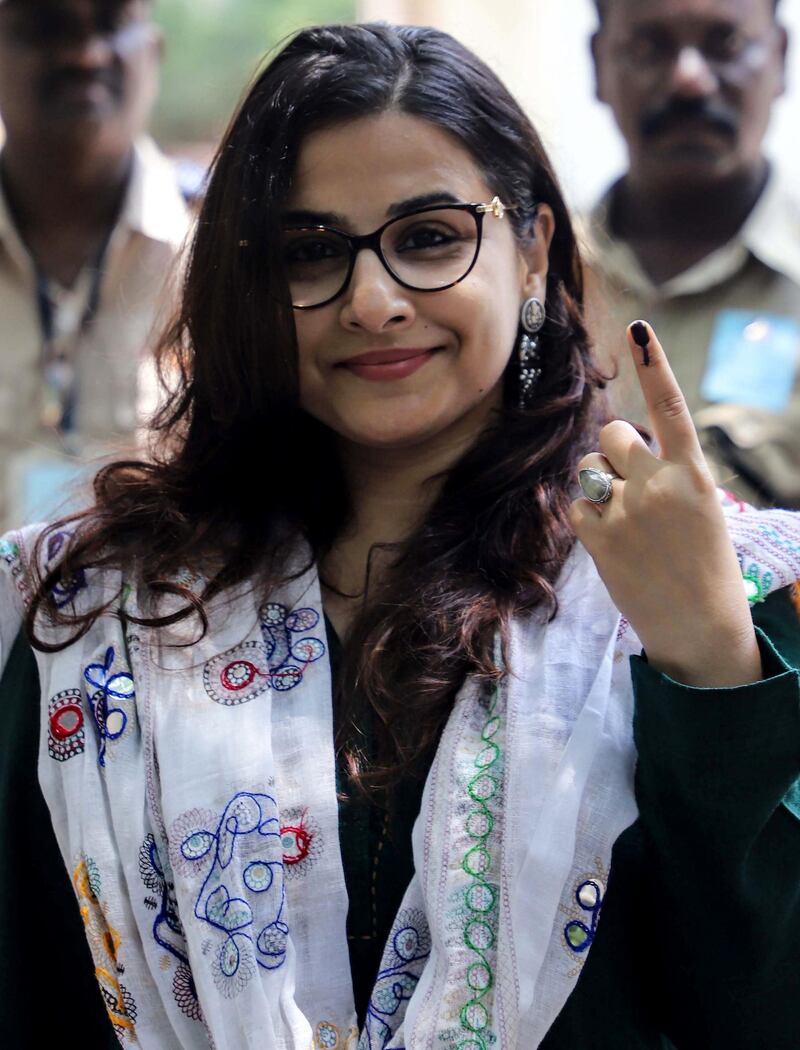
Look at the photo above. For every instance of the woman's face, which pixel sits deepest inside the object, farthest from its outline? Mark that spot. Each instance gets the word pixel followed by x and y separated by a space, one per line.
pixel 454 344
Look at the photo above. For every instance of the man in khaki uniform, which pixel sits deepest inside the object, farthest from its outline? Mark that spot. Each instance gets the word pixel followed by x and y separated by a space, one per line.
pixel 700 236
pixel 91 220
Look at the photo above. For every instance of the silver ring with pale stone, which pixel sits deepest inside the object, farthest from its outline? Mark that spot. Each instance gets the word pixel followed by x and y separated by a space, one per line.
pixel 596 485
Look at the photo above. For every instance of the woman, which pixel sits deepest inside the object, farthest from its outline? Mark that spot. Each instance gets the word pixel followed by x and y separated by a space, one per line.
pixel 384 395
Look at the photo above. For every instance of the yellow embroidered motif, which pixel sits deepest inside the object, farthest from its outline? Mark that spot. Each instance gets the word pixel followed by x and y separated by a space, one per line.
pixel 104 943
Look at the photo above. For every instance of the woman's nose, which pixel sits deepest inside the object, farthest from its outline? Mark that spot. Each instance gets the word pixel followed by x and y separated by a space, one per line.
pixel 374 300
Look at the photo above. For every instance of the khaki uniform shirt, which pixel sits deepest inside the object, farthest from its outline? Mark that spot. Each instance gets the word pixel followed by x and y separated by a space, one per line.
pixel 110 357
pixel 735 303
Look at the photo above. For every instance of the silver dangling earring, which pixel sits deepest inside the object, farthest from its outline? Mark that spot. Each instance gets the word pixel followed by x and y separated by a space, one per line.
pixel 532 318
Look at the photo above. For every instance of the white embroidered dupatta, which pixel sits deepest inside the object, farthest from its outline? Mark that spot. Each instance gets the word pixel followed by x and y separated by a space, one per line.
pixel 192 792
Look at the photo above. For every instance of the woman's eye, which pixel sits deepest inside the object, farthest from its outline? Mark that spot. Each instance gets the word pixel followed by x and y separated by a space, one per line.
pixel 419 238
pixel 310 250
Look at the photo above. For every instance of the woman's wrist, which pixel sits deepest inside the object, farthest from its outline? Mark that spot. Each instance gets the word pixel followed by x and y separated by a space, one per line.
pixel 723 659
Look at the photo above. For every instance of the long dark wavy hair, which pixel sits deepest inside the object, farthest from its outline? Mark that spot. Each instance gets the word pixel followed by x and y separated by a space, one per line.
pixel 222 482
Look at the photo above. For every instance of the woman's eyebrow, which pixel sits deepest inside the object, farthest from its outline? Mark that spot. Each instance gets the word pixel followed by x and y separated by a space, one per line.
pixel 423 200
pixel 307 217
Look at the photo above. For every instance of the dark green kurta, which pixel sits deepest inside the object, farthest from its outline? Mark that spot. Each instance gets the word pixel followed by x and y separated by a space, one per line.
pixel 698 944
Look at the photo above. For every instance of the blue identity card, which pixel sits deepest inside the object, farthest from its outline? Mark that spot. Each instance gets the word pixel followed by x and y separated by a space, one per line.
pixel 753 360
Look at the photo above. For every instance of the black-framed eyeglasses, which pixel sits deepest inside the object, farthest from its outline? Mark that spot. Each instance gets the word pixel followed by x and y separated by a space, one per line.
pixel 424 250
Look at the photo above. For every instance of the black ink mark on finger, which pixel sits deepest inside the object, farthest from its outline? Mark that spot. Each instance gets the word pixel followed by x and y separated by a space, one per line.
pixel 641 337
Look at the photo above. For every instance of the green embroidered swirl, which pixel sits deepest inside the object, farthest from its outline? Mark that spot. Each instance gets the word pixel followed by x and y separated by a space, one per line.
pixel 756 583
pixel 480 897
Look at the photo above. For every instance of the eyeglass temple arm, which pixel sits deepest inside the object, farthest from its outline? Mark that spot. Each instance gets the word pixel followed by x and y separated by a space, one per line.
pixel 496 207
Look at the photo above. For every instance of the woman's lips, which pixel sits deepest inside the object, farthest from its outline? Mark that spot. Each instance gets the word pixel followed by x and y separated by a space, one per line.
pixel 388 364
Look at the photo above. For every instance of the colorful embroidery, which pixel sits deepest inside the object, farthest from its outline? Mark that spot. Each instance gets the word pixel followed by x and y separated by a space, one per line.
pixel 186 827
pixel 167 929
pixel 481 896
pixel 301 841
pixel 589 897
pixel 191 580
pixel 278 661
pixel 583 912
pixel 9 552
pixel 111 720
pixel 65 737
pixel 771 537
pixel 242 896
pixel 404 958
pixel 296 843
pixel 66 589
pixel 728 499
pixel 757 583
pixel 329 1036
pixel 104 942
pixel 185 993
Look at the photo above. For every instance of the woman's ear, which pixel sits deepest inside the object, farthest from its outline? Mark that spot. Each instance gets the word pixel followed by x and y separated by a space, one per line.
pixel 535 254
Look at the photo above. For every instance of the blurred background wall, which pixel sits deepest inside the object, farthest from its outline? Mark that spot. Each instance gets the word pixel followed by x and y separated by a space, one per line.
pixel 213 47
pixel 540 49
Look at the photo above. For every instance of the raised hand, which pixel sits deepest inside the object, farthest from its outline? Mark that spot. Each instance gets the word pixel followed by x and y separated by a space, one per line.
pixel 660 542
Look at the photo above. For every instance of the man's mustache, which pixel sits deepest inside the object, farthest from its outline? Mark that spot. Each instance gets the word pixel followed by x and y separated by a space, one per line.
pixel 63 78
pixel 676 111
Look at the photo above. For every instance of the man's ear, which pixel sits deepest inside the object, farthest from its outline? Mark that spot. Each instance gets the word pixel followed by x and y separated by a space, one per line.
pixel 535 253
pixel 782 50
pixel 158 42
pixel 594 45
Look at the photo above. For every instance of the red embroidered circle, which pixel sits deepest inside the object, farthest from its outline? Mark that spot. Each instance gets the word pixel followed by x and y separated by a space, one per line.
pixel 238 675
pixel 66 721
pixel 296 842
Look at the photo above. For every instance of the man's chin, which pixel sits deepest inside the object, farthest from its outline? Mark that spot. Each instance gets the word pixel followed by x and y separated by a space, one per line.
pixel 690 163
pixel 80 119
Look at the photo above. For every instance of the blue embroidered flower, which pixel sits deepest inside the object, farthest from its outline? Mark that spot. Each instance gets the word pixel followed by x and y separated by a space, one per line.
pixel 110 718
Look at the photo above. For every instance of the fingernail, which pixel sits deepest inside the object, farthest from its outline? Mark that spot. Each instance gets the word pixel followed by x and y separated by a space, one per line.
pixel 641 336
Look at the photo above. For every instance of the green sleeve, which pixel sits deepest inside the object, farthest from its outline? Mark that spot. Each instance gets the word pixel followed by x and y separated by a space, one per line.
pixel 778 618
pixel 48 993
pixel 723 852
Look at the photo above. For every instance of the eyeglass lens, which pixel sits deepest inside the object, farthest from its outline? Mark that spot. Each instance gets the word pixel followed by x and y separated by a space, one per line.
pixel 426 251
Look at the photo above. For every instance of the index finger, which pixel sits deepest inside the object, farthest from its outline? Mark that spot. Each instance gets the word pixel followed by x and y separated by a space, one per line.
pixel 669 414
